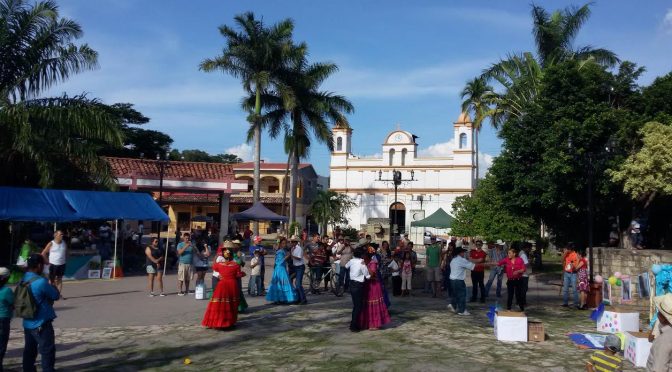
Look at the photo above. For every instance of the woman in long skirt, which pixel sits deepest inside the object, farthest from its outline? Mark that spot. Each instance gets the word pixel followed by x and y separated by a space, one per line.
pixel 374 313
pixel 281 289
pixel 222 311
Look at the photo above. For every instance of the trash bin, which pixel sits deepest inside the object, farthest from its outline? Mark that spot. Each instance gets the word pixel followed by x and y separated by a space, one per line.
pixel 595 295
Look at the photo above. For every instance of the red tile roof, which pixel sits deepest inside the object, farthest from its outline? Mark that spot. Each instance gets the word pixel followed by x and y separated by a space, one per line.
pixel 127 167
pixel 267 166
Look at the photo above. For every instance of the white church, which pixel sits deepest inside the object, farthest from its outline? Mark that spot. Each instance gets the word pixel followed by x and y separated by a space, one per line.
pixel 427 183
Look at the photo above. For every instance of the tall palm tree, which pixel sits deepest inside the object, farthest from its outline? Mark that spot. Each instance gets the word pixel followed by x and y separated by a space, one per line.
pixel 41 135
pixel 477 97
pixel 520 74
pixel 256 55
pixel 302 109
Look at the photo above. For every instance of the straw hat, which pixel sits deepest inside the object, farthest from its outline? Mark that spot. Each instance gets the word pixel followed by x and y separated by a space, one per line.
pixel 664 305
pixel 4 272
pixel 236 243
pixel 228 244
pixel 294 238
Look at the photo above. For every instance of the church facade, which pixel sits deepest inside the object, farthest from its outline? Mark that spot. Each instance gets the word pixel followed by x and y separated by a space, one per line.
pixel 424 184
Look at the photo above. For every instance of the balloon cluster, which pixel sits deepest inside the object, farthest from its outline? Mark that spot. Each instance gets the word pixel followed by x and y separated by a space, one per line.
pixel 614 280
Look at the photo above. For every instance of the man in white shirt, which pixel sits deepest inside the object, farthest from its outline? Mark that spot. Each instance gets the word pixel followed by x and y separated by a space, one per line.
pixel 458 268
pixel 358 272
pixel 299 268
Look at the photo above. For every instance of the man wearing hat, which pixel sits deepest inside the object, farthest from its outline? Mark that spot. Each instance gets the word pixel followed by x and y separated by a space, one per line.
pixel 458 268
pixel 39 332
pixel 660 357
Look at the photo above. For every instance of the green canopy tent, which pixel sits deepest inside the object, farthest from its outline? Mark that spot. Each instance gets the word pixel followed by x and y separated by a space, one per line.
pixel 438 220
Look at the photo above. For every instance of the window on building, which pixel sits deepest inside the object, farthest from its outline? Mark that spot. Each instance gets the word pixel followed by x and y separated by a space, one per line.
pixel 403 156
pixel 392 157
pixel 273 189
pixel 463 141
pixel 339 144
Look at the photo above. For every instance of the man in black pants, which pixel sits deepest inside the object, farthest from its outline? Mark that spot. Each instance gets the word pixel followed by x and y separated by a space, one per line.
pixel 358 272
pixel 478 256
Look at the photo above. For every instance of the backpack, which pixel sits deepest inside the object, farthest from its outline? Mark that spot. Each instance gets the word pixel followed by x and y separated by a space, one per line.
pixel 25 305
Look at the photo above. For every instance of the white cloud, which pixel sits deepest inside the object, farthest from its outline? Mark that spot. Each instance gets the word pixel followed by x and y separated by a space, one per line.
pixel 441 79
pixel 243 151
pixel 444 149
pixel 479 16
pixel 438 150
pixel 667 21
pixel 484 163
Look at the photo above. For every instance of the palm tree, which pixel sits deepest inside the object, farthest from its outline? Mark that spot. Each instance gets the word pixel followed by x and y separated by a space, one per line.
pixel 299 101
pixel 477 98
pixel 519 75
pixel 330 208
pixel 43 135
pixel 256 55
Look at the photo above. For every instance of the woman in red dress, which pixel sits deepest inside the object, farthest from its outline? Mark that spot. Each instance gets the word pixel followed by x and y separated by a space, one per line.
pixel 222 311
pixel 374 312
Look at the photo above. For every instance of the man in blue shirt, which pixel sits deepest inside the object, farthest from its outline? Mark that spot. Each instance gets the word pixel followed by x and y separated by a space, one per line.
pixel 185 268
pixel 39 332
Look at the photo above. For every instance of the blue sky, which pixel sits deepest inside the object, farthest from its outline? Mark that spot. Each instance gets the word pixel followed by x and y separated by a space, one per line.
pixel 401 62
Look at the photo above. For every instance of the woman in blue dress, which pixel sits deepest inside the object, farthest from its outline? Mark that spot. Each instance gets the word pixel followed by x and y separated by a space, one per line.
pixel 281 290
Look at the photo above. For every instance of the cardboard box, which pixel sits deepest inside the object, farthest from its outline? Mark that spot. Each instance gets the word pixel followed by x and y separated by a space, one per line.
pixel 511 326
pixel 535 332
pixel 616 319
pixel 637 348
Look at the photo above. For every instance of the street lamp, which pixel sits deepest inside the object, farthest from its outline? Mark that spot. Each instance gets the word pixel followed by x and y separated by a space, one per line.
pixel 396 179
pixel 161 166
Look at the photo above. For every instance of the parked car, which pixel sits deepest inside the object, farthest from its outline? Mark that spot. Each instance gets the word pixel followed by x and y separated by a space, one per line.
pixel 427 238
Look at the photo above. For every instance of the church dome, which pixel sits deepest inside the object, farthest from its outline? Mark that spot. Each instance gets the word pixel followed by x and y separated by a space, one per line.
pixel 463 118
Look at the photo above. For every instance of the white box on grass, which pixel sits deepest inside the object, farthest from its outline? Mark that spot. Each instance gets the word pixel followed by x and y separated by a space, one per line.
pixel 618 320
pixel 637 348
pixel 511 326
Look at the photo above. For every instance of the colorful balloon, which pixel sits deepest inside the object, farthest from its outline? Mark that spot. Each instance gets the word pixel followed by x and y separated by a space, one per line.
pixel 612 280
pixel 599 279
pixel 619 282
pixel 656 268
pixel 617 274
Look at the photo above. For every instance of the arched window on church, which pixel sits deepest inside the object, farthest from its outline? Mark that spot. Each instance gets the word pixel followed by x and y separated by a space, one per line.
pixel 403 156
pixel 463 141
pixel 339 144
pixel 392 157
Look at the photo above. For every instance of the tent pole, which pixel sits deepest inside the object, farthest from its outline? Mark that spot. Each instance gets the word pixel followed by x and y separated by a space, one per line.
pixel 116 238
pixel 165 254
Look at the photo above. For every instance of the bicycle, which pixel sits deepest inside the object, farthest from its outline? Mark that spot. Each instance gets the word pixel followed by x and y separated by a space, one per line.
pixel 332 285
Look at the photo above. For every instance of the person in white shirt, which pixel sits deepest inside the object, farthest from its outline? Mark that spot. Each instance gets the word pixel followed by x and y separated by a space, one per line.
pixel 358 272
pixel 299 268
pixel 55 253
pixel 458 268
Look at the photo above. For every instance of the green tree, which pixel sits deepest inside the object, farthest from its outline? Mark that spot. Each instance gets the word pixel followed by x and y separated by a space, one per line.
pixel 308 110
pixel 331 208
pixel 42 137
pixel 648 172
pixel 520 74
pixel 203 157
pixel 477 98
pixel 256 55
pixel 484 214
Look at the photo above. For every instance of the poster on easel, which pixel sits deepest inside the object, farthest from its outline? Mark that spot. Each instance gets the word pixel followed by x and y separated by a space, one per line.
pixel 606 293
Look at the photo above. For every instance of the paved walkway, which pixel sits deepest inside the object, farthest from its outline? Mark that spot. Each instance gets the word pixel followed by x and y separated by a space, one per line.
pixel 113 325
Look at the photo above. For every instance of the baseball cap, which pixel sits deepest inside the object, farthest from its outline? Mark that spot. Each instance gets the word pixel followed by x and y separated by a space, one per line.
pixel 4 272
pixel 613 343
pixel 34 259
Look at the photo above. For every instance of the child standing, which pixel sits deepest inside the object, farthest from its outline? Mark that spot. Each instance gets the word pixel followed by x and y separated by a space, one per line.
pixel 406 274
pixel 254 286
pixel 395 268
pixel 583 284
pixel 6 310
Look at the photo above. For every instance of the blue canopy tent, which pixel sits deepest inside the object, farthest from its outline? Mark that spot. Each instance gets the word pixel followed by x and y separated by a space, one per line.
pixel 47 205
